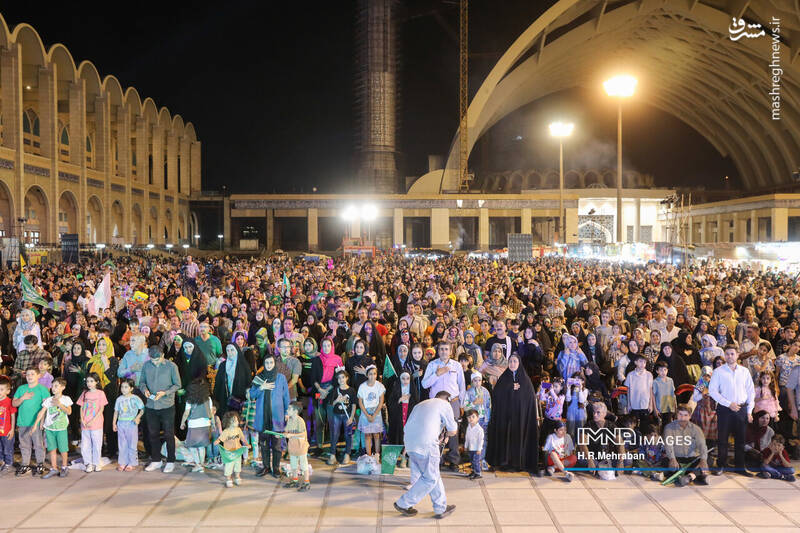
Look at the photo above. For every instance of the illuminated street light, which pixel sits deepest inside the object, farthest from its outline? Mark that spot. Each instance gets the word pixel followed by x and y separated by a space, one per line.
pixel 185 246
pixel 100 246
pixel 128 246
pixel 560 130
pixel 151 246
pixel 620 87
pixel 369 213
pixel 220 237
pixel 349 213
pixel 168 246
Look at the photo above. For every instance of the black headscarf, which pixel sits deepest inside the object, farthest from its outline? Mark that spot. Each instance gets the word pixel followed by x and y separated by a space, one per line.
pixel 269 377
pixel 677 366
pixel 513 428
pixel 241 381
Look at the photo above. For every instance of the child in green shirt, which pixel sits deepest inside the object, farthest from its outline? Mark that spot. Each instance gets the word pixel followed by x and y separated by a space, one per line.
pixel 53 417
pixel 28 401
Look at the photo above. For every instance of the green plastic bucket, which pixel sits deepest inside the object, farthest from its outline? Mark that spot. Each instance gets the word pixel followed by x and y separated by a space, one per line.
pixel 389 455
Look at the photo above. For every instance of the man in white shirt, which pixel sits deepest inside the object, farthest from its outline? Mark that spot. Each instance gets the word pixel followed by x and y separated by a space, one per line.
pixel 732 388
pixel 670 331
pixel 423 431
pixel 445 374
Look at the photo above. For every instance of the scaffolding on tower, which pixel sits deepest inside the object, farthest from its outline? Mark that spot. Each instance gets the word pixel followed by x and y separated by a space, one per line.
pixel 464 177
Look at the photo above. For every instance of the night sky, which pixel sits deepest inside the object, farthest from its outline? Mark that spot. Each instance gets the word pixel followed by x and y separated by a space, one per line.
pixel 269 88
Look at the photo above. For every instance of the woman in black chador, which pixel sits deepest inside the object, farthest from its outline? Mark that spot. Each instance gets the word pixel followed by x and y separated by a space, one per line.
pixel 513 427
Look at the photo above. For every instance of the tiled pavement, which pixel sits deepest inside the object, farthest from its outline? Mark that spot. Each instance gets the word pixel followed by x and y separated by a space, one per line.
pixel 181 502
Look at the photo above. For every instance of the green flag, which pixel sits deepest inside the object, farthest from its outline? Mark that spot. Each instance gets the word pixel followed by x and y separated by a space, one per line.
pixel 388 369
pixel 29 294
pixel 286 283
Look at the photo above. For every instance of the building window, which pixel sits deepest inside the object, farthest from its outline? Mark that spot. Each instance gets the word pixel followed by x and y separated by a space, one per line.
pixel 30 130
pixel 646 234
pixel 628 233
pixel 32 237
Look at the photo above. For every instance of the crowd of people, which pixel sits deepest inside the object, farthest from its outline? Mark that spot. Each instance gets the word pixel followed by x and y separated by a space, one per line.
pixel 244 362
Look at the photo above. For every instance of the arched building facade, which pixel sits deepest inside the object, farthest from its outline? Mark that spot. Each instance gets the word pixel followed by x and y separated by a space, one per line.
pixel 78 154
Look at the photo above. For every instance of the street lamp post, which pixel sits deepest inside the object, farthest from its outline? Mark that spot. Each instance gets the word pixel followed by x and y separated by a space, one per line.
pixel 620 87
pixel 561 130
pixel 220 237
pixel 369 214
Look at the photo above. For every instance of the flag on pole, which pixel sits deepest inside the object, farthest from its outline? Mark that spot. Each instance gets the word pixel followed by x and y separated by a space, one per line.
pixel 388 369
pixel 29 294
pixel 102 296
pixel 21 262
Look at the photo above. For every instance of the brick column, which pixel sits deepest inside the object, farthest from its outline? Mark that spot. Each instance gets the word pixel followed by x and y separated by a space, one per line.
pixel 440 228
pixel 48 128
pixel 397 227
pixel 313 230
pixel 124 150
pixel 195 175
pixel 270 238
pixel 102 162
pixel 780 224
pixel 11 87
pixel 77 149
pixel 483 229
pixel 525 220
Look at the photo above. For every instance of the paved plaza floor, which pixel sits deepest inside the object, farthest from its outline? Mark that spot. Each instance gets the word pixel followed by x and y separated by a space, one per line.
pixel 184 502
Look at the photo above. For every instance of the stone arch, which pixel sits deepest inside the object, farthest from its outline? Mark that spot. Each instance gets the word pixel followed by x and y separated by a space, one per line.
pixel 152 225
pixel 591 179
pixel 693 62
pixel 572 180
pixel 136 222
pixel 37 213
pixel 67 214
pixel 183 233
pixel 168 236
pixel 606 233
pixel 550 180
pixel 6 210
pixel 610 179
pixel 94 220
pixel 533 180
pixel 194 228
pixel 117 223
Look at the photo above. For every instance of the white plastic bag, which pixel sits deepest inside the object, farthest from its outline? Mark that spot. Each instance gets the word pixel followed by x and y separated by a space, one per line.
pixel 367 465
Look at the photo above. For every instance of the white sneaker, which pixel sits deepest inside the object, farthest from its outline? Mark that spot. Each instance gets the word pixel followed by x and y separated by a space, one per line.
pixel 153 466
pixel 551 470
pixel 568 476
pixel 199 469
pixel 97 468
pixel 169 467
pixel 89 469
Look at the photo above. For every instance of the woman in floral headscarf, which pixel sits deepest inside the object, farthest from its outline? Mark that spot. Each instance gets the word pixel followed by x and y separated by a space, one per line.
pixel 26 325
pixel 106 364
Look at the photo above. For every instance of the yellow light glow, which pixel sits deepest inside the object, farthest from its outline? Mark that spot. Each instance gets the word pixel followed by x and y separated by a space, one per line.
pixel 620 86
pixel 561 129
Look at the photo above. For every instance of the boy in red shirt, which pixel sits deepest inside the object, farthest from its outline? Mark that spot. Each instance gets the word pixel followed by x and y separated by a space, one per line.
pixel 8 420
pixel 776 463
